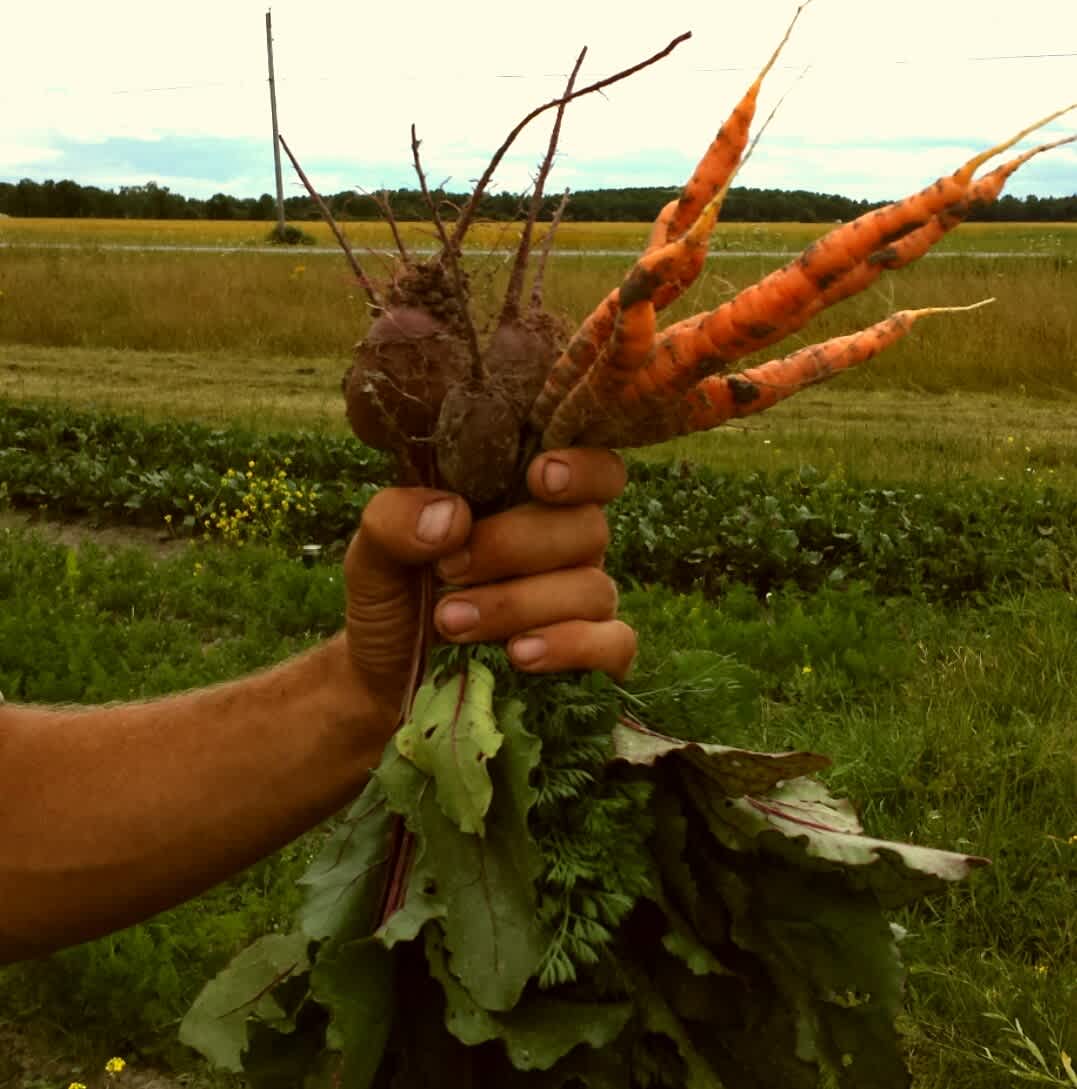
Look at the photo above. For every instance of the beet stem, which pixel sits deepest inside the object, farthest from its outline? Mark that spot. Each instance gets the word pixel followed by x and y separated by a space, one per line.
pixel 450 254
pixel 511 309
pixel 360 275
pixel 544 254
pixel 386 208
pixel 472 205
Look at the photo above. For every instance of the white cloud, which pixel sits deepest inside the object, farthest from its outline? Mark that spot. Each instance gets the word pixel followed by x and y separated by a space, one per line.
pixel 894 91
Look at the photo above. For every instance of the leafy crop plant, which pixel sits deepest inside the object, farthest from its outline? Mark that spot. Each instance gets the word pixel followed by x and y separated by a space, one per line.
pixel 535 888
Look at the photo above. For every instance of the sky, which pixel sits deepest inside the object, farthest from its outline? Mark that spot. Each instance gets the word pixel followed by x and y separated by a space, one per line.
pixel 880 96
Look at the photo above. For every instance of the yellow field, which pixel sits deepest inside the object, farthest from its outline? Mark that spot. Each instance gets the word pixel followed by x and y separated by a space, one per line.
pixel 1041 238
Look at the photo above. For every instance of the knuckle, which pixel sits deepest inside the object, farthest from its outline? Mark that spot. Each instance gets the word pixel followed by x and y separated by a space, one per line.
pixel 596 530
pixel 604 590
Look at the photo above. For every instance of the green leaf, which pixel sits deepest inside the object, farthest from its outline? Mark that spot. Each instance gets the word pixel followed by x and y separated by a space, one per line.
pixel 538 1032
pixel 482 887
pixel 659 1017
pixel 345 882
pixel 354 982
pixel 492 928
pixel 450 735
pixel 423 901
pixel 587 1068
pixel 832 956
pixel 678 883
pixel 803 824
pixel 275 1061
pixel 216 1025
pixel 684 945
pixel 405 788
pixel 735 772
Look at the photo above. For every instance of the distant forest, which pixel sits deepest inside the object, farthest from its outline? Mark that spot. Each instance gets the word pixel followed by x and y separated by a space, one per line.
pixel 68 199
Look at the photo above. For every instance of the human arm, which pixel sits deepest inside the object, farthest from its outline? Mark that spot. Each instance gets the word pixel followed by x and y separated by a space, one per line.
pixel 110 814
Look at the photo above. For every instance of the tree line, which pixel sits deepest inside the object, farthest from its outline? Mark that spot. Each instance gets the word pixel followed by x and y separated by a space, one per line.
pixel 68 199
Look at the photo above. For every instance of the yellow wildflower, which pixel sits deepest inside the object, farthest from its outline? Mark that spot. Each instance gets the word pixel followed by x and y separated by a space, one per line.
pixel 114 1066
pixel 806 669
pixel 76 1085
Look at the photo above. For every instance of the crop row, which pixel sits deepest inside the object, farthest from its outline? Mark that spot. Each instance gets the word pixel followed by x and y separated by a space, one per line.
pixel 685 527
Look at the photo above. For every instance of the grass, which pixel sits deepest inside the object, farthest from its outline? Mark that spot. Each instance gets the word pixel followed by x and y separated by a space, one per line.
pixel 953 728
pixel 306 306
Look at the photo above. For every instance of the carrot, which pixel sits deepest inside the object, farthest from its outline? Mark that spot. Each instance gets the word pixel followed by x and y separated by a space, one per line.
pixel 685 225
pixel 721 398
pixel 576 360
pixel 718 399
pixel 716 167
pixel 915 244
pixel 770 309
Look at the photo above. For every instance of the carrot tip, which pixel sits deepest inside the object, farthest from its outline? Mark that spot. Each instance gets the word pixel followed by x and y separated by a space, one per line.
pixel 781 45
pixel 923 312
pixel 974 164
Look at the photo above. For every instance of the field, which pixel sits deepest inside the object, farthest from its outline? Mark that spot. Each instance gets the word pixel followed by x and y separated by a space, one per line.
pixel 937 670
pixel 1048 239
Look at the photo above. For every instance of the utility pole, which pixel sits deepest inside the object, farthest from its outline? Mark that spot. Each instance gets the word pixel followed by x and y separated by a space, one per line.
pixel 276 140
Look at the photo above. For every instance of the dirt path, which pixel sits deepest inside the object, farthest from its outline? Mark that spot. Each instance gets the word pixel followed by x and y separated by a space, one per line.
pixel 75 533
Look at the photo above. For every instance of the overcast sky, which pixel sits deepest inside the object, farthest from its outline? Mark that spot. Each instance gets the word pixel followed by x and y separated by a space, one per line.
pixel 896 91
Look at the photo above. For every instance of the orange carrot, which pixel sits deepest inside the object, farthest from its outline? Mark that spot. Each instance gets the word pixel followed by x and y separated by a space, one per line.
pixel 915 244
pixel 722 157
pixel 576 360
pixel 686 224
pixel 720 398
pixel 770 309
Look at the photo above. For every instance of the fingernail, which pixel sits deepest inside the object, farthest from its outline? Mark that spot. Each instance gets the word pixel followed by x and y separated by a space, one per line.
pixel 555 475
pixel 452 567
pixel 435 520
pixel 455 617
pixel 527 649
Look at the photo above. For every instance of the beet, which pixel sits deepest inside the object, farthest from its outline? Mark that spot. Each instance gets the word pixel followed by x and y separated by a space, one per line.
pixel 400 374
pixel 520 355
pixel 477 442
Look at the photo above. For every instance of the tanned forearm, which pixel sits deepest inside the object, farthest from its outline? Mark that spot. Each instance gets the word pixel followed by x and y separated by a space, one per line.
pixel 110 814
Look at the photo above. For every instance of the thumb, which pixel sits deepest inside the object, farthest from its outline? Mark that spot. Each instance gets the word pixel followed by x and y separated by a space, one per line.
pixel 401 530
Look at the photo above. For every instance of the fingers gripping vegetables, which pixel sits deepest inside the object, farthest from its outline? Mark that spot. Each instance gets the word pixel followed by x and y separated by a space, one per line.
pixel 537 889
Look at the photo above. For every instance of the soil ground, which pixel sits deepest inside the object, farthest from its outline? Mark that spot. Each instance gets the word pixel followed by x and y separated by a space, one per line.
pixel 75 533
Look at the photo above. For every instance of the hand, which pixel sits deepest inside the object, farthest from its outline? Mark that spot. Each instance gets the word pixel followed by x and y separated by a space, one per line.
pixel 530 576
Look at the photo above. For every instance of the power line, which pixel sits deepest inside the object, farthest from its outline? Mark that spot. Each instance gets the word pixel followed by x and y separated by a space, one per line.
pixel 207 84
